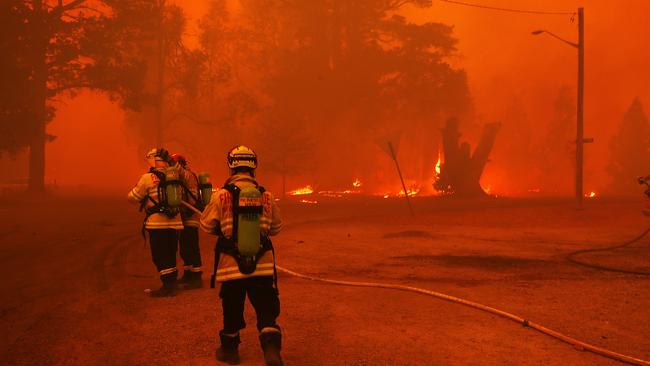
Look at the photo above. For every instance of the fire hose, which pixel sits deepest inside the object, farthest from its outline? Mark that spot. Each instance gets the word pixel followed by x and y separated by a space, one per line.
pixel 583 346
pixel 572 257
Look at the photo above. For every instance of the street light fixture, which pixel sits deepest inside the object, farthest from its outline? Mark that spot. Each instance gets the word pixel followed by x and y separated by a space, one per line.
pixel 580 140
pixel 540 31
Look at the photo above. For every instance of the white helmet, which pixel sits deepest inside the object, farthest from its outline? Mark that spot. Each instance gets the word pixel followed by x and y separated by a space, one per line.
pixel 242 156
pixel 157 155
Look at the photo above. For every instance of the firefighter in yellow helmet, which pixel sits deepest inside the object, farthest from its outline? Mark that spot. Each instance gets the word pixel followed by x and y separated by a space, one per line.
pixel 162 221
pixel 189 236
pixel 243 216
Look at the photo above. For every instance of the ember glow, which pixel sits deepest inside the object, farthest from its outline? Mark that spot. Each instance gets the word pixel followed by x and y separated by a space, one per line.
pixel 356 183
pixel 309 202
pixel 337 194
pixel 590 195
pixel 302 191
pixel 413 191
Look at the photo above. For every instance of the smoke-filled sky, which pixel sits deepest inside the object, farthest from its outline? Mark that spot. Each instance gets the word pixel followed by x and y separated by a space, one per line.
pixel 505 65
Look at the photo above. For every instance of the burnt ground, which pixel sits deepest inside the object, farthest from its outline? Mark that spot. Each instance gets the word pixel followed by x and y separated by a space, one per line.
pixel 74 271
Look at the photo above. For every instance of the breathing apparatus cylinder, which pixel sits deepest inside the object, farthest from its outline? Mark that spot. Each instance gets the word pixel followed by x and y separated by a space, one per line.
pixel 248 230
pixel 205 187
pixel 173 187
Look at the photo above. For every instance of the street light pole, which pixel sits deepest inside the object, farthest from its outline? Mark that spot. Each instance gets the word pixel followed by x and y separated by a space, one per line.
pixel 580 137
pixel 580 125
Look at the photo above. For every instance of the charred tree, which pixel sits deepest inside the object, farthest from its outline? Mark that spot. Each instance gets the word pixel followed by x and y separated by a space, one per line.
pixel 52 49
pixel 460 174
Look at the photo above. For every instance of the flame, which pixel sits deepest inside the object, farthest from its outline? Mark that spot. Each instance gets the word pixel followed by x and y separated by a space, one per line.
pixel 410 191
pixel 338 194
pixel 302 191
pixel 309 202
pixel 356 183
pixel 438 163
pixel 590 194
pixel 488 190
pixel 534 190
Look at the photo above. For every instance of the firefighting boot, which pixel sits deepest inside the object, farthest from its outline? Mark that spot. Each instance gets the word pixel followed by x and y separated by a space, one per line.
pixel 168 287
pixel 191 280
pixel 271 343
pixel 187 275
pixel 228 352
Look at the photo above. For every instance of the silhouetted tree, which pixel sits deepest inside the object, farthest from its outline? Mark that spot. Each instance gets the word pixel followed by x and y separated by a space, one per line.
pixel 517 152
pixel 15 111
pixel 347 68
pixel 172 70
pixel 557 157
pixel 285 148
pixel 460 174
pixel 630 150
pixel 54 47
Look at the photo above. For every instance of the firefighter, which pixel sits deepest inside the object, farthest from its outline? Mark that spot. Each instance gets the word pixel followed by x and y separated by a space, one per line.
pixel 162 222
pixel 239 274
pixel 189 237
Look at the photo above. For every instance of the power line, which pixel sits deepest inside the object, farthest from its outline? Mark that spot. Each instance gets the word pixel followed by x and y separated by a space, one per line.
pixel 521 11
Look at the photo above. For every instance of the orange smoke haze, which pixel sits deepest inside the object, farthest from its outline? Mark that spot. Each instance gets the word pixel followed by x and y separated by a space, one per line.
pixel 504 63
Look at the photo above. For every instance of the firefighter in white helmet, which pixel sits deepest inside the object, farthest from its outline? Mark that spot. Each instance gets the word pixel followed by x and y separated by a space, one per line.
pixel 239 213
pixel 162 222
pixel 189 237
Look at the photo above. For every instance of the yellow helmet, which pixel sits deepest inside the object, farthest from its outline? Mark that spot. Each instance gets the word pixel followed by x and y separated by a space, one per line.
pixel 242 156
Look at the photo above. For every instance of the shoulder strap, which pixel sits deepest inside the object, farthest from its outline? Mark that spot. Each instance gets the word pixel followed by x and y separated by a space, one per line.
pixel 158 174
pixel 234 196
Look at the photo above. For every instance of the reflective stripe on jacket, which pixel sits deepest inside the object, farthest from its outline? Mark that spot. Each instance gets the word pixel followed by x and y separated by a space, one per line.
pixel 217 216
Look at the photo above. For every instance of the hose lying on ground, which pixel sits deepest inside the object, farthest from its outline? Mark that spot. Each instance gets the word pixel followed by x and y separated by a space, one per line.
pixel 572 257
pixel 525 322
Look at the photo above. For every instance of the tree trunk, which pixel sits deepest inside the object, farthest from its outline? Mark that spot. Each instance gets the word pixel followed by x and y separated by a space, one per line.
pixel 284 182
pixel 461 172
pixel 37 159
pixel 37 146
pixel 160 77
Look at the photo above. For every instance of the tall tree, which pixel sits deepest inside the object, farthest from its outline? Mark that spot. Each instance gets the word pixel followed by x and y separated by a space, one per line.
pixel 349 68
pixel 557 153
pixel 517 155
pixel 57 47
pixel 171 69
pixel 630 150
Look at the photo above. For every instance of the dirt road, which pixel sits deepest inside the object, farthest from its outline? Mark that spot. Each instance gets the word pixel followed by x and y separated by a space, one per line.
pixel 75 270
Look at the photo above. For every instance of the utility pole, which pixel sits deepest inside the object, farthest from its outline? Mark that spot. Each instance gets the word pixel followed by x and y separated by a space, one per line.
pixel 580 135
pixel 580 141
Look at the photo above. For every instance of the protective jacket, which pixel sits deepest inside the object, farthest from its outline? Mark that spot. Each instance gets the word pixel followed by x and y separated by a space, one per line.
pixel 217 219
pixel 146 193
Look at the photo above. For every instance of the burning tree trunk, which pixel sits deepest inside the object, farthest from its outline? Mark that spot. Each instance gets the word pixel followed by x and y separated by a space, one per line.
pixel 461 172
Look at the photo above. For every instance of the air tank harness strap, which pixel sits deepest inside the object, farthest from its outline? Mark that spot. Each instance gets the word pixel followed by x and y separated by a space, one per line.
pixel 156 208
pixel 220 244
pixel 162 196
pixel 228 246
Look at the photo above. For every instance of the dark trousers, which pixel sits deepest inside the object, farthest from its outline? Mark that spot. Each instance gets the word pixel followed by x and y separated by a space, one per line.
pixel 163 244
pixel 262 296
pixel 189 247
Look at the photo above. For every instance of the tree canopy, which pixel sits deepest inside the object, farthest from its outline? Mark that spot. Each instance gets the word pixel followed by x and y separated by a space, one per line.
pixel 630 150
